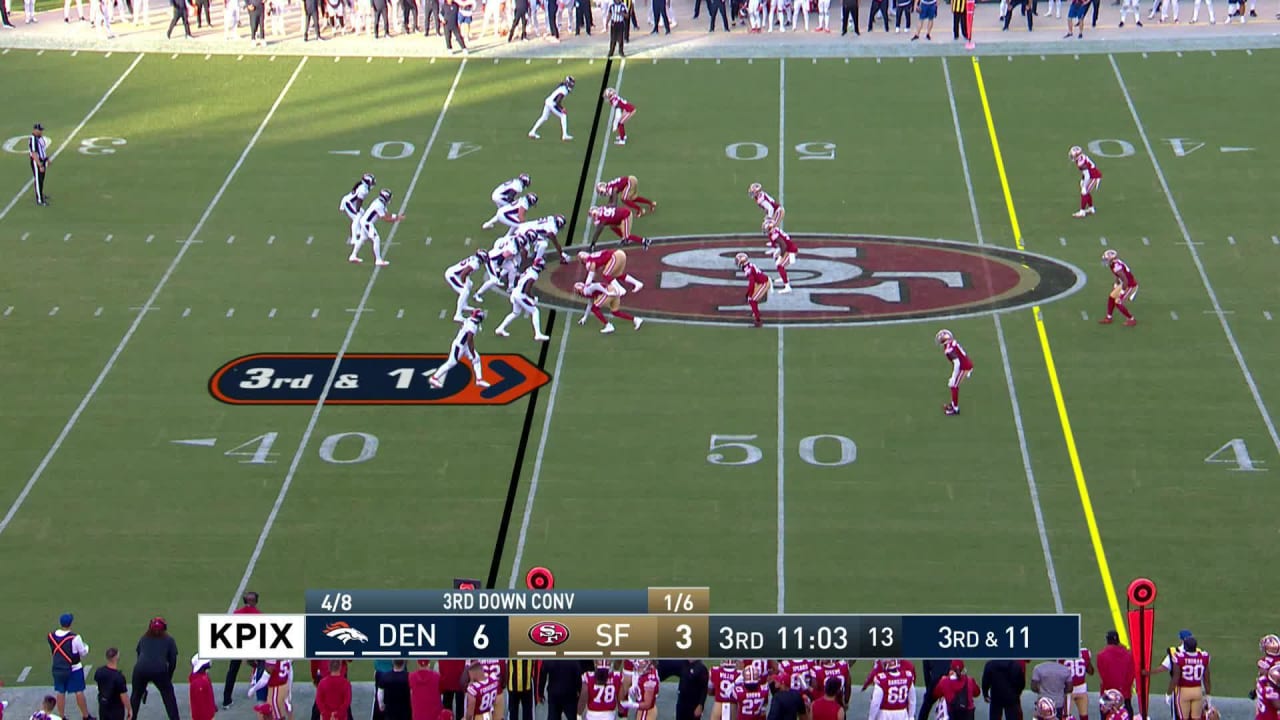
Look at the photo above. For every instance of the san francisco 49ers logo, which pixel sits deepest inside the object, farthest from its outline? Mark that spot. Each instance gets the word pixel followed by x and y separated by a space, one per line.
pixel 549 634
pixel 836 280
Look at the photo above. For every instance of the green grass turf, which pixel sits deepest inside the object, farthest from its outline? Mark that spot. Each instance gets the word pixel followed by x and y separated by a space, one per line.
pixel 933 515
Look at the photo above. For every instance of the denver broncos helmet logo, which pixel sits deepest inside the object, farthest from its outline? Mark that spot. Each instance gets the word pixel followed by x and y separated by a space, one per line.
pixel 344 632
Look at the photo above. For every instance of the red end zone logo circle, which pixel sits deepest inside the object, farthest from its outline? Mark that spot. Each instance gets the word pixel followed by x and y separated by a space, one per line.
pixel 836 280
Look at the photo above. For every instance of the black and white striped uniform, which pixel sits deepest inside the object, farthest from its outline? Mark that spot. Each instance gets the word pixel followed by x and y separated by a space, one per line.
pixel 507 192
pixel 38 145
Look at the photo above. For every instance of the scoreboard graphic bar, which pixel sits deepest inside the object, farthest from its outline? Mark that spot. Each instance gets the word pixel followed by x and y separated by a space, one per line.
pixel 679 636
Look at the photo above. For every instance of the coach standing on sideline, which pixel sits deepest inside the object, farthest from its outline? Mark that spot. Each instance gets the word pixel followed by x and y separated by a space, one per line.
pixel 849 9
pixel 691 693
pixel 39 147
pixel 451 31
pixel 1115 669
pixel 1002 684
pixel 113 691
pixel 618 17
pixel 250 607
pixel 157 659
pixel 179 15
pixel 560 682
pixel 787 704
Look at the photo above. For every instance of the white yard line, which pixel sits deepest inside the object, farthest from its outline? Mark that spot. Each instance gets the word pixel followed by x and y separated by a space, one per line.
pixel 782 345
pixel 536 477
pixel 342 351
pixel 148 305
pixel 1032 487
pixel 72 135
pixel 1195 257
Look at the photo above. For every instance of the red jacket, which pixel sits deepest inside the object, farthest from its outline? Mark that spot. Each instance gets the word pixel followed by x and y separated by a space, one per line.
pixel 1115 669
pixel 424 694
pixel 451 675
pixel 949 689
pixel 333 697
pixel 203 706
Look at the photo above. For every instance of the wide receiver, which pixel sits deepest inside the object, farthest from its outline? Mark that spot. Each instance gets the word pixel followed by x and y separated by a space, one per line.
pixel 464 346
pixel 622 112
pixel 1081 668
pixel 1123 291
pixel 784 250
pixel 961 368
pixel 625 189
pixel 607 297
pixel 612 265
pixel 617 219
pixel 365 228
pixel 554 105
pixel 773 212
pixel 758 285
pixel 353 201
pixel 1090 178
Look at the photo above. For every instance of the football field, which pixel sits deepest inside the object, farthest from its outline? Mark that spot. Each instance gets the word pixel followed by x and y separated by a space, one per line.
pixel 804 466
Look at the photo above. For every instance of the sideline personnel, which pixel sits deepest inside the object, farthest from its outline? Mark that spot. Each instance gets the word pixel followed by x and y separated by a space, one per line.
pixel 67 647
pixel 250 607
pixel 619 16
pixel 38 144
pixel 113 691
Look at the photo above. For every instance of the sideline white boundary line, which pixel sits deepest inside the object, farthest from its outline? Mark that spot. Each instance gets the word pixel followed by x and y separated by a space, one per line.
pixel 782 347
pixel 1195 257
pixel 66 143
pixel 536 476
pixel 1032 487
pixel 342 351
pixel 147 306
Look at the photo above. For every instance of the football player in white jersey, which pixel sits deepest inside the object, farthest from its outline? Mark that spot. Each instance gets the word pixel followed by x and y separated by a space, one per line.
pixel 353 202
pixel 458 276
pixel 507 192
pixel 524 303
pixel 541 232
pixel 504 265
pixel 512 214
pixel 367 230
pixel 554 105
pixel 464 346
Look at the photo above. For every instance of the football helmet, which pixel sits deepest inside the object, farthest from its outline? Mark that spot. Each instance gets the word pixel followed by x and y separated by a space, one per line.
pixel 524 178
pixel 594 211
pixel 538 265
pixel 583 255
pixel 943 337
pixel 727 663
pixel 531 199
pixel 1269 644
pixel 1211 711
pixel 385 195
pixel 478 315
pixel 740 259
pixel 891 663
pixel 1111 700
pixel 368 179
pixel 751 674
pixel 483 256
pixel 601 189
pixel 1109 257
pixel 580 288
pixel 610 93
pixel 755 189
pixel 559 220
pixel 1273 675
pixel 569 82
pixel 641 665
pixel 1075 152
pixel 1045 709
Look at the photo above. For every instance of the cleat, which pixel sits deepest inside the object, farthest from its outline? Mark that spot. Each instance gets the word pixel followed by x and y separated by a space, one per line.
pixel 758 322
pixel 1105 321
pixel 566 138
pixel 1130 322
pixel 479 300
pixel 1091 210
pixel 458 318
pixel 950 409
pixel 1078 214
pixel 646 242
pixel 608 328
pixel 435 382
pixel 354 260
pixel 637 286
pixel 785 289
pixel 534 136
pixel 583 321
pixel 541 338
pixel 620 141
pixel 638 322
pixel 381 263
pixel 501 333
pixel 482 383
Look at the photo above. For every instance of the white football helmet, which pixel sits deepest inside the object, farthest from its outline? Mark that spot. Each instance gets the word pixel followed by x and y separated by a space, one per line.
pixel 1109 257
pixel 1045 709
pixel 600 189
pixel 751 675
pixel 891 663
pixel 740 259
pixel 1273 675
pixel 1269 645
pixel 943 337
pixel 610 93
pixel 1111 700
pixel 755 189
pixel 1075 152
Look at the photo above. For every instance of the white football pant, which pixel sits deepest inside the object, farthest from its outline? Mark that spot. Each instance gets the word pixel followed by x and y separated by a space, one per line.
pixel 369 233
pixel 799 8
pixel 1195 12
pixel 824 15
pixel 522 304
pixel 463 289
pixel 548 110
pixel 456 353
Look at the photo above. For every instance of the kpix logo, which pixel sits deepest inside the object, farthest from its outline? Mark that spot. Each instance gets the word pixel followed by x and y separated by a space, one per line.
pixel 251 637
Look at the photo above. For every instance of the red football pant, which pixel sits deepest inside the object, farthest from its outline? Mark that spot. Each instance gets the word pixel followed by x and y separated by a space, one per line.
pixel 1086 201
pixel 782 272
pixel 620 314
pixel 755 308
pixel 955 395
pixel 622 131
pixel 633 239
pixel 1112 305
pixel 635 203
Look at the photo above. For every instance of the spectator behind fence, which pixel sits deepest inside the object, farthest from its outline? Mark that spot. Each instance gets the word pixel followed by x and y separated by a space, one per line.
pixel 1002 684
pixel 68 650
pixel 113 691
pixel 1115 669
pixel 157 661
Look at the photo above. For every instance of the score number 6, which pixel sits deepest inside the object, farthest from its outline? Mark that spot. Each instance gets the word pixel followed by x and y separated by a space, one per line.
pixel 480 641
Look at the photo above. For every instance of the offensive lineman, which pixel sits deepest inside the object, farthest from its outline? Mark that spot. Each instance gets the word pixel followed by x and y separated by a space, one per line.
pixel 961 368
pixel 458 276
pixel 464 346
pixel 554 105
pixel 507 192
pixel 353 202
pixel 504 264
pixel 376 211
pixel 524 303
pixel 541 232
pixel 512 214
pixel 894 696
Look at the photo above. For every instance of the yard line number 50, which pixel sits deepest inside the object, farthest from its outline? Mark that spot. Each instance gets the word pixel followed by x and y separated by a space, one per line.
pixel 820 450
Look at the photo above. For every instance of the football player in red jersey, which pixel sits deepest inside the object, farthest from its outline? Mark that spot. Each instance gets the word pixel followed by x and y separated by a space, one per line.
pixel 879 666
pixel 894 696
pixel 1269 645
pixel 617 219
pixel 278 680
pixel 622 112
pixel 721 682
pixel 625 189
pixel 601 693
pixel 773 212
pixel 1124 290
pixel 1267 692
pixel 612 265
pixel 1189 680
pixel 1090 178
pixel 758 285
pixel 838 669
pixel 784 252
pixel 1112 703
pixel 961 368
pixel 608 297
pixel 1081 667
pixel 1045 709
pixel 642 693
pixel 484 694
pixel 752 696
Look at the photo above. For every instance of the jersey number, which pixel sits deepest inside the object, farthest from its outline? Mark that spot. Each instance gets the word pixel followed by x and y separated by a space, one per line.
pixel 897 695
pixel 605 694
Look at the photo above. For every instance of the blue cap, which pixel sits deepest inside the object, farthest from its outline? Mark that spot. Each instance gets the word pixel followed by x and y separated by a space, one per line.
pixel 1184 634
pixel 65 620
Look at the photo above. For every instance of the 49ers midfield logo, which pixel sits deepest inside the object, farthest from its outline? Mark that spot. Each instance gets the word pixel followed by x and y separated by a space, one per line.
pixel 836 280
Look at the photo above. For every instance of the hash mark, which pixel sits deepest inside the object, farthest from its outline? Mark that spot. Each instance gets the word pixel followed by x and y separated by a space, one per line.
pixel 442 313
pixel 309 239
pixel 1077 57
pixel 1173 314
pixel 98 312
pixel 22 676
pixel 8 311
pixel 528 61
pixel 368 60
pixel 39 53
pixel 150 238
pixel 1231 239
pixel 400 313
pixel 1249 51
pixel 1010 58
pixel 846 61
pixel 1063 241
pixel 186 312
pixel 717 61
pixel 1144 56
pixel 75 53
pixel 54 311
pixel 25 235
pixel 336 59
pixel 1103 241
pixel 175 56
pixel 238 58
pixel 466 241
pixel 314 313
pixel 108 238
pixel 1179 53
pixel 206 57
pixel 400 62
pixel 231 239
pixel 1214 53
pixel 1266 314
pixel 273 58
pixel 815 61
pixel 66 238
pixel 1275 240
pixel 1146 241
pixel 272 313
pixel 1041 58
pixel 231 311
pixel 433 62
pixel 910 60
pixel 271 240
pixel 428 240
pixel 1084 315
pixel 1215 312
pixel 496 61
pixel 877 61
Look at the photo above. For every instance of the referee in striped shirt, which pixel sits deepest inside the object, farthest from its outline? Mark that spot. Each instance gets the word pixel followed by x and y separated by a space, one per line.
pixel 958 16
pixel 619 15
pixel 522 683
pixel 38 145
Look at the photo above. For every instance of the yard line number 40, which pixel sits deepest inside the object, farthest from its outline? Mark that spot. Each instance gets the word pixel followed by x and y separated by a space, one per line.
pixel 820 450
pixel 337 448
